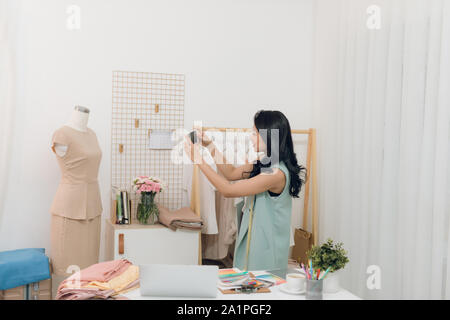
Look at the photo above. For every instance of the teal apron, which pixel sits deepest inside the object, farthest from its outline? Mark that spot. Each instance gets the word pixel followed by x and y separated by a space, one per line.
pixel 268 248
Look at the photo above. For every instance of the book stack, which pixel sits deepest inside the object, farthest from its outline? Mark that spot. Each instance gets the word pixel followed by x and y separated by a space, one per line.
pixel 123 207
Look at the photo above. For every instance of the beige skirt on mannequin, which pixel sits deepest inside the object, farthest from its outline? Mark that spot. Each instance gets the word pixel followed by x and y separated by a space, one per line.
pixel 74 243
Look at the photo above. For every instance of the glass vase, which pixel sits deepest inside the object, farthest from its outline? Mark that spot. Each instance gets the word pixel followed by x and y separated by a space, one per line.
pixel 147 211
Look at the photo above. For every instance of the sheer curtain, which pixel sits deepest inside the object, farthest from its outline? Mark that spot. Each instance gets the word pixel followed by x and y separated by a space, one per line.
pixel 6 92
pixel 381 106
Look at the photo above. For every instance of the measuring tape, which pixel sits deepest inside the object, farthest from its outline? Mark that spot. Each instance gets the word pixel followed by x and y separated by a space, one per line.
pixel 249 235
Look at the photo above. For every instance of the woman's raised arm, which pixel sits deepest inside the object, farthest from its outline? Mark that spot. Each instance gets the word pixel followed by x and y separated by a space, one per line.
pixel 245 187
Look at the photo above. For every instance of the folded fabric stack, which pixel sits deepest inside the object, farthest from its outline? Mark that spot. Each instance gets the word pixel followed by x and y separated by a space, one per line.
pixel 181 218
pixel 105 280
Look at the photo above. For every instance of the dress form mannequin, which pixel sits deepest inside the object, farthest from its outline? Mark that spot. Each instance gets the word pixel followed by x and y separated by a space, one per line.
pixel 77 121
pixel 76 208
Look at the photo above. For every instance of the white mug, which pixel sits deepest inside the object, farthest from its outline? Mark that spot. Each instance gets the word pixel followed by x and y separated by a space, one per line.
pixel 295 281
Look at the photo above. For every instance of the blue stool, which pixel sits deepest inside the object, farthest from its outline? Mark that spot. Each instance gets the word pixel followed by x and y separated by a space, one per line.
pixel 25 274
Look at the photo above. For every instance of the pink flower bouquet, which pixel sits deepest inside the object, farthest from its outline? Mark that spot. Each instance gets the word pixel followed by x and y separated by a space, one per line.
pixel 147 184
pixel 147 187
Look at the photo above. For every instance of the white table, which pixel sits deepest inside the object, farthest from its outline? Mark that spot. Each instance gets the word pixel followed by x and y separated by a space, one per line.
pixel 275 294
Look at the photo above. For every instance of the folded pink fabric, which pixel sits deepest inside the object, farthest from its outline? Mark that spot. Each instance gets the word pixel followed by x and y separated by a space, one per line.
pixel 131 285
pixel 92 293
pixel 82 294
pixel 102 272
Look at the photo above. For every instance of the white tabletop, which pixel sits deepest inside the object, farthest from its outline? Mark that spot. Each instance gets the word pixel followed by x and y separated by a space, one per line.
pixel 275 294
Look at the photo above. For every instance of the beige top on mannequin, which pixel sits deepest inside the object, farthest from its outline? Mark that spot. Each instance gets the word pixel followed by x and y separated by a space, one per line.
pixel 78 121
pixel 78 154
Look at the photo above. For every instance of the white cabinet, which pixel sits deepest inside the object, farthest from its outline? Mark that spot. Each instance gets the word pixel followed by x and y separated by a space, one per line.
pixel 142 244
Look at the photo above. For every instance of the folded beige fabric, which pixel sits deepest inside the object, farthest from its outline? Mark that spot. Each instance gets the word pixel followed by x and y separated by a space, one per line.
pixel 99 281
pixel 181 218
pixel 187 225
pixel 118 283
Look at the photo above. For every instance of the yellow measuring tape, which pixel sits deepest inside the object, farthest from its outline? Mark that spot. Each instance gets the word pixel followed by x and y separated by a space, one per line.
pixel 249 234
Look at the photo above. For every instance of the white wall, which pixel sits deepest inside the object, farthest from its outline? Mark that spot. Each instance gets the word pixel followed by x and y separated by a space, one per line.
pixel 238 56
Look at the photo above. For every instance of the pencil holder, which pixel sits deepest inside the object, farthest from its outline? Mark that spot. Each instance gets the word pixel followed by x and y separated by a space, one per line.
pixel 314 289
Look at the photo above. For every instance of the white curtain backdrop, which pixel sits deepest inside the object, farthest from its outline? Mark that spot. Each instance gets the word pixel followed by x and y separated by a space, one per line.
pixel 381 106
pixel 6 93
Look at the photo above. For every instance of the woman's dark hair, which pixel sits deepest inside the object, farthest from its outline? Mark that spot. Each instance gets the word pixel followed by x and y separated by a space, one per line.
pixel 267 120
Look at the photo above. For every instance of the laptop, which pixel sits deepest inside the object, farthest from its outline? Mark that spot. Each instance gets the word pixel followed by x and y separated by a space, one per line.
pixel 165 280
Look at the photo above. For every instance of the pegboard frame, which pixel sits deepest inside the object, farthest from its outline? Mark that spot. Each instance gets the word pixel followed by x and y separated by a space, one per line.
pixel 142 101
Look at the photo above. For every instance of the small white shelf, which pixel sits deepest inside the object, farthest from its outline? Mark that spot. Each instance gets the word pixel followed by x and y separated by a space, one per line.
pixel 148 244
pixel 136 226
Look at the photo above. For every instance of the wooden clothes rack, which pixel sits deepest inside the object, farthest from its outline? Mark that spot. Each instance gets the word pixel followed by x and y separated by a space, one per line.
pixel 311 169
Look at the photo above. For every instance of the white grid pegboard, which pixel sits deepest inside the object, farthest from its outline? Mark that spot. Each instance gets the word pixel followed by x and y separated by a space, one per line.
pixel 142 101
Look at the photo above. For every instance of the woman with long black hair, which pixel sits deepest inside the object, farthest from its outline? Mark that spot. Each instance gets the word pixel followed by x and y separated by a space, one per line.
pixel 269 185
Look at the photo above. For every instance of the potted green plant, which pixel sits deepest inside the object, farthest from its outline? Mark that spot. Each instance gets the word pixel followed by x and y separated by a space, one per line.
pixel 329 255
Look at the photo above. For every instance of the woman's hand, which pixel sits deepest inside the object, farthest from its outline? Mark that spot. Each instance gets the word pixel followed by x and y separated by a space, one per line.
pixel 204 139
pixel 192 150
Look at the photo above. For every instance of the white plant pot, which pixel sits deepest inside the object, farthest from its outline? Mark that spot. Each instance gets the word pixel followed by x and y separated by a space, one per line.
pixel 331 282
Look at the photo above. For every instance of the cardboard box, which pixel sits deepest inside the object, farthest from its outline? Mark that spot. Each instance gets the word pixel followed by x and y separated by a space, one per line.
pixel 18 293
pixel 303 243
pixel 41 290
